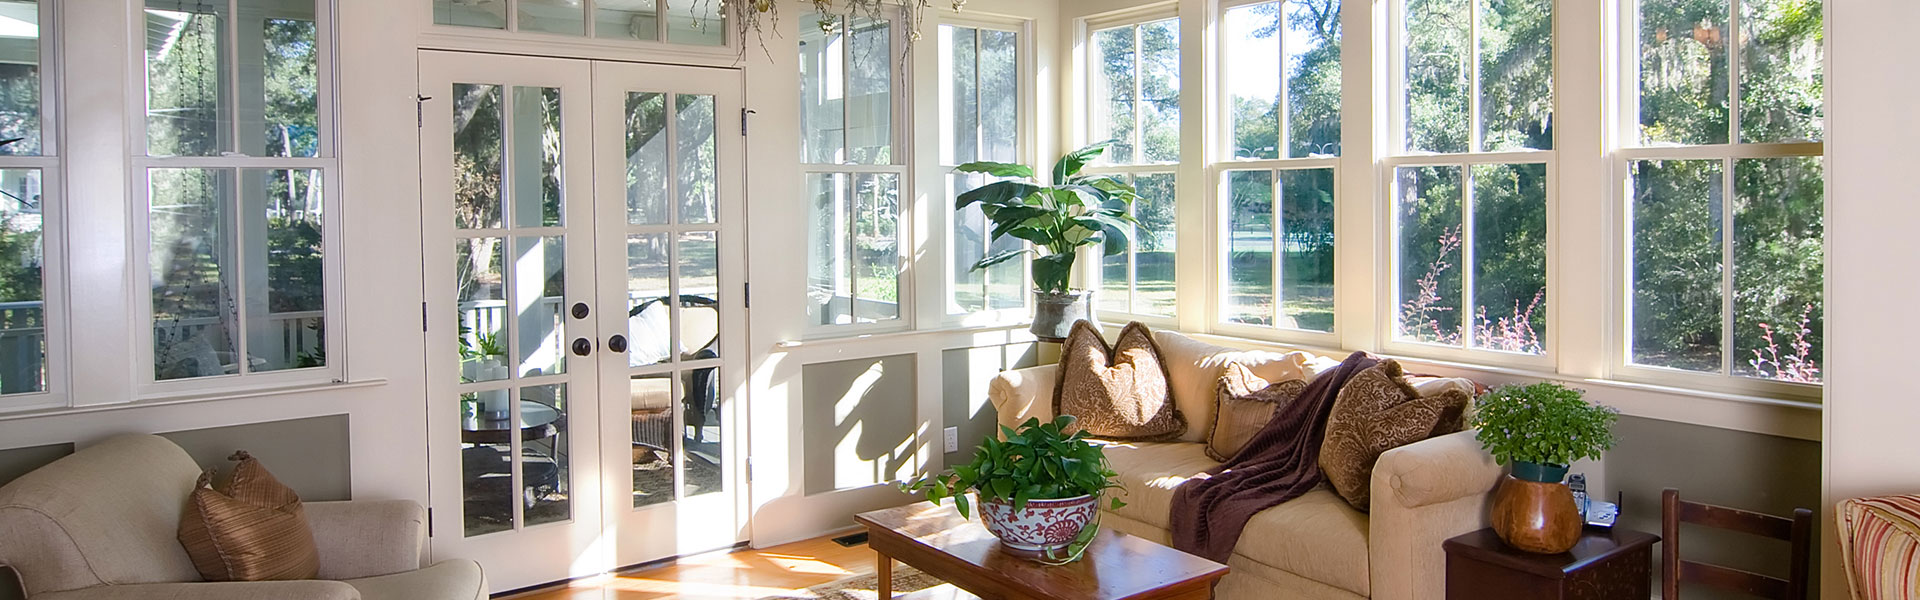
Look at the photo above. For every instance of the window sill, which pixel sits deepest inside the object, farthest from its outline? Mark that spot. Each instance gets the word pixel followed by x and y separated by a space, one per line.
pixel 30 413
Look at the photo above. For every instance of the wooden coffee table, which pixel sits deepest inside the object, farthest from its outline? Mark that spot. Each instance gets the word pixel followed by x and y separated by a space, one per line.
pixel 939 542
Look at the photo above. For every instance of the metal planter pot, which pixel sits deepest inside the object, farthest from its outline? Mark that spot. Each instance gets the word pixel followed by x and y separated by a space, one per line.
pixel 1054 313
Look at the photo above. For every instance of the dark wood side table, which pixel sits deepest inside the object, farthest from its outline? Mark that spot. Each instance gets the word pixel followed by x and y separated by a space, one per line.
pixel 1603 565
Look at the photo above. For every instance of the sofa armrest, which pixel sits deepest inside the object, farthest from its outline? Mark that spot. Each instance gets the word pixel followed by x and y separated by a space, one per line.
pixel 1424 493
pixel 226 590
pixel 1022 394
pixel 367 538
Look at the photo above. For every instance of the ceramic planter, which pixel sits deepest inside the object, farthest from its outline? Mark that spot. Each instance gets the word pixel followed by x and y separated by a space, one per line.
pixel 1055 312
pixel 1044 525
pixel 1534 511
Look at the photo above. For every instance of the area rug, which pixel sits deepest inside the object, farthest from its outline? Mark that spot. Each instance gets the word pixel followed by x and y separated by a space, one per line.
pixel 864 587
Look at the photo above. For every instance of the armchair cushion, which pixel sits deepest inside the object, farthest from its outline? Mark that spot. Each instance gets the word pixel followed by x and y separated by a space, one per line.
pixel 1880 545
pixel 367 538
pixel 225 590
pixel 108 514
pixel 448 580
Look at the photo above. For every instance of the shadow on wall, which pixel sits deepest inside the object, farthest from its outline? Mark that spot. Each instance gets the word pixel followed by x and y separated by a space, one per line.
pixel 1752 471
pixel 965 375
pixel 859 417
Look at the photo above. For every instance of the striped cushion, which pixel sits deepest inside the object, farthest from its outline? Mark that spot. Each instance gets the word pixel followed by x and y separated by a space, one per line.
pixel 251 529
pixel 1880 545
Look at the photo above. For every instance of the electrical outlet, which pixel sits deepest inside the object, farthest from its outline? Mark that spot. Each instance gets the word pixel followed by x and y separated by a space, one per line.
pixel 953 439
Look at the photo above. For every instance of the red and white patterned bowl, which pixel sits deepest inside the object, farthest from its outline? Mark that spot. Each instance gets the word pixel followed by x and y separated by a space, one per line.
pixel 1042 526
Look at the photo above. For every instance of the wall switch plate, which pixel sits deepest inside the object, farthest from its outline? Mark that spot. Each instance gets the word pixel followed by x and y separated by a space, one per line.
pixel 952 435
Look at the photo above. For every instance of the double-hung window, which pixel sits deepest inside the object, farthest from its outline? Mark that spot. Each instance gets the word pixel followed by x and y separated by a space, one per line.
pixel 855 169
pixel 30 287
pixel 1133 100
pixel 234 166
pixel 1722 160
pixel 981 119
pixel 1279 100
pixel 1469 170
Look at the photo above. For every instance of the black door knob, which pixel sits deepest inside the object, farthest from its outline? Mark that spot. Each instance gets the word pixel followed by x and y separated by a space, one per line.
pixel 582 346
pixel 580 310
pixel 617 343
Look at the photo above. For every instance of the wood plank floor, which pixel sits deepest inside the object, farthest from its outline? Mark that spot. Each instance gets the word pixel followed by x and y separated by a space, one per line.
pixel 738 575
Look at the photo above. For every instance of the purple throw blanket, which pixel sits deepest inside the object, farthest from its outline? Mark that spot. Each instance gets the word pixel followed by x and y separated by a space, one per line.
pixel 1280 463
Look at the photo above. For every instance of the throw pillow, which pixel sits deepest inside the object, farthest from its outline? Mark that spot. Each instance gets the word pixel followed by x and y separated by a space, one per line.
pixel 252 528
pixel 1117 392
pixel 1244 403
pixel 1376 411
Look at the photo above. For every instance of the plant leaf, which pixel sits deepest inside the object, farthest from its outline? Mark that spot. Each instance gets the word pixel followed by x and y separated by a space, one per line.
pixel 999 192
pixel 1000 258
pixel 1071 164
pixel 996 169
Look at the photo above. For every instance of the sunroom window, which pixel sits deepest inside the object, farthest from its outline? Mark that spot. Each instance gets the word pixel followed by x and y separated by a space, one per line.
pixel 1134 101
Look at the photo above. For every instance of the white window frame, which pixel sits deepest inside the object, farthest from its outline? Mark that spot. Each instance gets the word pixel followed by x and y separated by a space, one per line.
pixel 941 213
pixel 326 161
pixel 1630 149
pixel 1091 269
pixel 903 158
pixel 1395 155
pixel 1218 172
pixel 53 206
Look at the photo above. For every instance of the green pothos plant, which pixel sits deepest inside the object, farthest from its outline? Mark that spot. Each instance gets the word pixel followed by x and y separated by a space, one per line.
pixel 1076 210
pixel 1038 461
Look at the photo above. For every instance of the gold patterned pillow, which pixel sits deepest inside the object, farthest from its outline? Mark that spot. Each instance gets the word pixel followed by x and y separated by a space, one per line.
pixel 252 528
pixel 1117 392
pixel 1243 404
pixel 1376 411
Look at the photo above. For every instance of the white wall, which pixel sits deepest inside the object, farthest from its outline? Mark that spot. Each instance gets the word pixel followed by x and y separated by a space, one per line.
pixel 1872 214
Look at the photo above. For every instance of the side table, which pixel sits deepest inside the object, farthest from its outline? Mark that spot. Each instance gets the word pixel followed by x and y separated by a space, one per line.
pixel 1603 565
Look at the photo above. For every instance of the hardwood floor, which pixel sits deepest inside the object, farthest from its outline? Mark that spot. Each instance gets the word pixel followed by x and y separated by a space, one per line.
pixel 738 575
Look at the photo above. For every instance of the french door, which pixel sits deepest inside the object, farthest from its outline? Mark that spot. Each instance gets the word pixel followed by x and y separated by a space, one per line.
pixel 585 268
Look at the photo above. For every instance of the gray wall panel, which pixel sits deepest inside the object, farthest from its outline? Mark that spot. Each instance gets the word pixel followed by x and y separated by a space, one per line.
pixel 859 418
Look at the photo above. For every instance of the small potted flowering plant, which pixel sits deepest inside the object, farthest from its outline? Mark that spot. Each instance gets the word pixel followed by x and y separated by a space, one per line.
pixel 1039 489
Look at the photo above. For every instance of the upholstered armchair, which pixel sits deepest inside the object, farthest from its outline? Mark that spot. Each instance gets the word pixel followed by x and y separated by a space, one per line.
pixel 101 524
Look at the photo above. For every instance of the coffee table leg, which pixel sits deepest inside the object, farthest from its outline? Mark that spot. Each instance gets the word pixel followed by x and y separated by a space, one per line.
pixel 886 575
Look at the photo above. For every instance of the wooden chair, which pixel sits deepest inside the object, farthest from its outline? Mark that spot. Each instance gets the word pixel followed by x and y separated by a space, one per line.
pixel 1797 531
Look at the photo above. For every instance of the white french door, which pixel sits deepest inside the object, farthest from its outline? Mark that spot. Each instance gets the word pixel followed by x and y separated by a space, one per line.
pixel 584 271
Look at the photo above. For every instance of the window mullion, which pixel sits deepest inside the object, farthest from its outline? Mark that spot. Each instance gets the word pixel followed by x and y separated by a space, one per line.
pixel 1283 102
pixel 1467 258
pixel 1139 75
pixel 1733 77
pixel 1727 196
pixel 1475 137
pixel 1278 267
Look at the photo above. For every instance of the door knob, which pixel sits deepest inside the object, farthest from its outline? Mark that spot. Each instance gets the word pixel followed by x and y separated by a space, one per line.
pixel 582 346
pixel 617 343
pixel 580 310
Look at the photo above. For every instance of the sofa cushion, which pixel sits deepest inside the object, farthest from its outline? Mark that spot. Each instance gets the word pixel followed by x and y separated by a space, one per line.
pixel 108 514
pixel 1149 471
pixel 1194 368
pixel 1117 392
pixel 251 528
pixel 1377 411
pixel 1243 404
pixel 1880 545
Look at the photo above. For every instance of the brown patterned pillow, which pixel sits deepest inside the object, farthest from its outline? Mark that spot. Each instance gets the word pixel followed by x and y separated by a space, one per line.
pixel 250 529
pixel 1377 411
pixel 1243 404
pixel 1117 392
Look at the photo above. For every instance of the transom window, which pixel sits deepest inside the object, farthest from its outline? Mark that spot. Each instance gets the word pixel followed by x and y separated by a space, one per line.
pixel 692 22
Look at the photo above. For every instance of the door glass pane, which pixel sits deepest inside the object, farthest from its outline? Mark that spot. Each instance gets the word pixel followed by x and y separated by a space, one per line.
pixel 481 301
pixel 1154 245
pixel 187 113
pixel 565 17
pixel 1251 68
pixel 1437 35
pixel 286 293
pixel 1114 94
pixel 545 471
pixel 694 154
pixel 1510 257
pixel 1782 85
pixel 1427 206
pixel 1306 249
pixel 626 20
pixel 487 14
pixel 478 161
pixel 1516 74
pixel 534 164
pixel 646 158
pixel 696 22
pixel 876 246
pixel 539 285
pixel 1312 46
pixel 699 295
pixel 486 462
pixel 20 78
pixel 292 87
pixel 192 256
pixel 23 315
pixel 1250 244
pixel 1677 264
pixel 1160 91
pixel 649 300
pixel 1778 255
pixel 653 438
pixel 704 450
pixel 1683 73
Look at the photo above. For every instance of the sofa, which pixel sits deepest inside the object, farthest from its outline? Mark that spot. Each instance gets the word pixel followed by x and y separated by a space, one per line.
pixel 102 524
pixel 1313 547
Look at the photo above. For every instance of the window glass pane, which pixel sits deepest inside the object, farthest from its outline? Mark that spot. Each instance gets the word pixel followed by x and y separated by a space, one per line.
pixel 1113 91
pixel 481 298
pixel 960 94
pixel 545 473
pixel 1683 72
pixel 1779 328
pixel 1312 46
pixel 20 77
pixel 876 246
pixel 23 315
pixel 187 115
pixel 540 298
pixel 699 295
pixel 704 450
pixel 970 230
pixel 626 20
pixel 1116 278
pixel 697 183
pixel 1250 247
pixel 649 300
pixel 1510 257
pixel 193 83
pixel 696 22
pixel 870 93
pixel 1437 38
pixel 1782 85
pixel 487 14
pixel 552 16
pixel 1677 264
pixel 293 88
pixel 829 280
pixel 535 157
pixel 1306 249
pixel 1153 245
pixel 646 158
pixel 653 441
pixel 192 256
pixel 1006 282
pixel 286 318
pixel 1516 75
pixel 1427 216
pixel 478 156
pixel 853 264
pixel 1160 91
pixel 823 89
pixel 1251 66
pixel 999 72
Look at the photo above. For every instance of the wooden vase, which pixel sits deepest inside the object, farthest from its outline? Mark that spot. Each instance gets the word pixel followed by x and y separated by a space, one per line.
pixel 1536 516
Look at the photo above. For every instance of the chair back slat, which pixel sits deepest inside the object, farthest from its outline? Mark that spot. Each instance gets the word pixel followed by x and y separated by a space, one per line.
pixel 1733 580
pixel 1734 519
pixel 1797 532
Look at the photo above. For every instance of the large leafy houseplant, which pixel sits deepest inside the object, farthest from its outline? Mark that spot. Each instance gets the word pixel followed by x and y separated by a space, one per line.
pixel 1542 428
pixel 1076 210
pixel 1037 461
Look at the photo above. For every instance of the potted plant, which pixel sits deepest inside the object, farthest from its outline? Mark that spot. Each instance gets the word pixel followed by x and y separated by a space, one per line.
pixel 1039 490
pixel 1540 429
pixel 1076 210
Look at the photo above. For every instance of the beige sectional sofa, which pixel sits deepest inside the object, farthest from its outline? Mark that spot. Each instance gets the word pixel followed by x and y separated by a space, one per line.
pixel 1313 547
